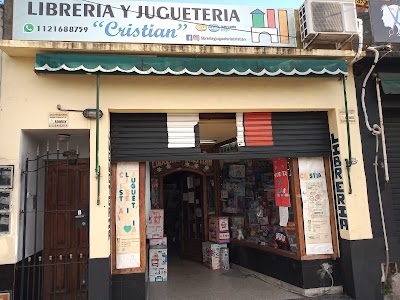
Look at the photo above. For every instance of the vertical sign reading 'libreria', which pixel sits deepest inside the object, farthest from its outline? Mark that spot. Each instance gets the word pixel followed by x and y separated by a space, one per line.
pixel 153 22
pixel 127 218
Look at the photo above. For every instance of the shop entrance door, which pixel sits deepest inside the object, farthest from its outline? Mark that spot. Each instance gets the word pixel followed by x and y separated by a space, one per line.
pixel 192 220
pixel 55 240
pixel 184 208
pixel 66 234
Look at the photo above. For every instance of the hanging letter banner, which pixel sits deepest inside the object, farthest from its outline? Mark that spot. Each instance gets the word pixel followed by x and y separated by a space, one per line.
pixel 281 182
pixel 127 216
pixel 316 214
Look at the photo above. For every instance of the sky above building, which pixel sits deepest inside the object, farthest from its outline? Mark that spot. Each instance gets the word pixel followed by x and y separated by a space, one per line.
pixel 263 3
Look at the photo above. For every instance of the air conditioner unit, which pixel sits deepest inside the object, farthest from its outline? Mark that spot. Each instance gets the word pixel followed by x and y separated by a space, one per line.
pixel 327 22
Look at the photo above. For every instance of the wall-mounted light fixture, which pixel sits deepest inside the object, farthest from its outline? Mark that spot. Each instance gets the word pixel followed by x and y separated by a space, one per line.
pixel 63 137
pixel 90 113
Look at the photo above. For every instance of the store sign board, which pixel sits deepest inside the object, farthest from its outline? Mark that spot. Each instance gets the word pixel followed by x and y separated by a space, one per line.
pixel 385 21
pixel 339 185
pixel 127 21
pixel 165 166
pixel 127 218
pixel 58 120
pixel 316 212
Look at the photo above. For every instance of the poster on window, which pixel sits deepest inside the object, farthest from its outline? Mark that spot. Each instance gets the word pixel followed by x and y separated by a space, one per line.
pixel 6 177
pixel 316 214
pixel 127 217
pixel 281 182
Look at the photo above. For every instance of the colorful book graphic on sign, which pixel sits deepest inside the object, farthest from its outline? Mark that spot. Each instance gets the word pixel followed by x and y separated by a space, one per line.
pixel 265 23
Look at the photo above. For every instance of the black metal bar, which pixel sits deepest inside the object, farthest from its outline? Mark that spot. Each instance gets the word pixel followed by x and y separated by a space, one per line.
pixel 80 275
pixel 66 241
pixel 51 277
pixel 88 224
pixel 46 198
pixel 50 264
pixel 22 289
pixel 76 225
pixel 35 241
pixel 28 281
pixel 56 231
pixel 40 290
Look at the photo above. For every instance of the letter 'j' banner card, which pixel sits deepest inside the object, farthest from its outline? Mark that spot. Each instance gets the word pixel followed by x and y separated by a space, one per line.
pixel 125 21
pixel 281 182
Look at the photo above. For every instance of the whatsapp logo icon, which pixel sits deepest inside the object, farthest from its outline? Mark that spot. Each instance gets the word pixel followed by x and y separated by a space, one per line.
pixel 29 27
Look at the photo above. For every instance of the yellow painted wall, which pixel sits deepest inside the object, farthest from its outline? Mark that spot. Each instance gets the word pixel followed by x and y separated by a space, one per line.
pixel 27 99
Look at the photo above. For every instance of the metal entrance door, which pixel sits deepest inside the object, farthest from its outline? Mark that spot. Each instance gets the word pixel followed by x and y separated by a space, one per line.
pixel 55 227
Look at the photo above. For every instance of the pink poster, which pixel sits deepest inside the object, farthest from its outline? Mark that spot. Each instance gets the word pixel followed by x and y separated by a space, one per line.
pixel 281 182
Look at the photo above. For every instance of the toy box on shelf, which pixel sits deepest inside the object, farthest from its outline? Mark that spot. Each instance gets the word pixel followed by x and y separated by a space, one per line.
pixel 158 242
pixel 219 237
pixel 224 259
pixel 218 224
pixel 218 228
pixel 155 226
pixel 158 261
pixel 212 255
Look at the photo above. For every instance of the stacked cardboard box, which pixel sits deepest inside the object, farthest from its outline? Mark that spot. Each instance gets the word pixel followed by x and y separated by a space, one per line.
pixel 212 254
pixel 158 242
pixel 218 229
pixel 158 260
pixel 155 226
pixel 158 257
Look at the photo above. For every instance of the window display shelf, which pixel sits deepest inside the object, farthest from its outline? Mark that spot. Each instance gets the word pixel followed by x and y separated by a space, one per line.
pixel 266 248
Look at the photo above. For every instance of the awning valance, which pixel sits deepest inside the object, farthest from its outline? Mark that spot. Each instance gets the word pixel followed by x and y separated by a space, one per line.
pixel 390 82
pixel 63 63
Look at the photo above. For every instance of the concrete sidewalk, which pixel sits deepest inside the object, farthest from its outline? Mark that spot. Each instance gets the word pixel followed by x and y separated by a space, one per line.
pixel 191 280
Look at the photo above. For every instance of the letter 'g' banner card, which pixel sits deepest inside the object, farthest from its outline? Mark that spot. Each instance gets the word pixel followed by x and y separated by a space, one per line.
pixel 125 21
pixel 281 182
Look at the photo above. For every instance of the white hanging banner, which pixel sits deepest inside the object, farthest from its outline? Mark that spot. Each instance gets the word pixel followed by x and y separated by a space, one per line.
pixel 316 214
pixel 127 218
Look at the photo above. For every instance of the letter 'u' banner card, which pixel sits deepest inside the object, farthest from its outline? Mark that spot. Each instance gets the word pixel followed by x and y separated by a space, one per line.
pixel 281 182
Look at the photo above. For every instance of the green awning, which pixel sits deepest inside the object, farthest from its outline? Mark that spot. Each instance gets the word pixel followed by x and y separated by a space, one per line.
pixel 390 82
pixel 186 66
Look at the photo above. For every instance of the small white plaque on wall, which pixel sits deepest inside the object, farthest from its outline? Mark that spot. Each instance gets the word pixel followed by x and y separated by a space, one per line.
pixel 59 119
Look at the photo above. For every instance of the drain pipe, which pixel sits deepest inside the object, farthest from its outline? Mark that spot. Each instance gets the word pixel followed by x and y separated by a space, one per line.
pixel 376 130
pixel 98 173
pixel 348 160
pixel 385 160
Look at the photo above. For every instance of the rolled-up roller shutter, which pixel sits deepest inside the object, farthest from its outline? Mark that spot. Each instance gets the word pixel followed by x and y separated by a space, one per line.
pixel 285 134
pixel 146 137
pixel 149 137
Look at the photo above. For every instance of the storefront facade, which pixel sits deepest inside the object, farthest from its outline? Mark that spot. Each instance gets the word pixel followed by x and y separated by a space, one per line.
pixel 304 91
pixel 171 95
